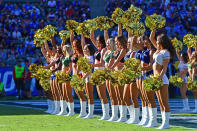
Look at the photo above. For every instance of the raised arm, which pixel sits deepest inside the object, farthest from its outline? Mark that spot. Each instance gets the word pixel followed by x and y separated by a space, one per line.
pixel 152 38
pixel 178 55
pixel 129 35
pixel 53 44
pixel 119 30
pixel 121 55
pixel 62 44
pixel 45 54
pixel 47 48
pixel 189 52
pixel 82 42
pixel 92 38
pixel 71 39
pixel 106 35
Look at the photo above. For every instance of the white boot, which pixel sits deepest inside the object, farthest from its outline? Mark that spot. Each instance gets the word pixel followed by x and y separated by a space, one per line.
pixel 71 109
pixel 136 113
pixel 185 105
pixel 64 106
pixel 195 107
pixel 83 112
pixel 90 111
pixel 165 120
pixel 152 117
pixel 52 107
pixel 130 109
pixel 57 107
pixel 114 116
pixel 105 109
pixel 123 114
pixel 145 116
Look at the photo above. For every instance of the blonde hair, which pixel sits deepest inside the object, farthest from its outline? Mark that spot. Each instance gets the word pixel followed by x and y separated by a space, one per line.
pixel 68 50
pixel 112 44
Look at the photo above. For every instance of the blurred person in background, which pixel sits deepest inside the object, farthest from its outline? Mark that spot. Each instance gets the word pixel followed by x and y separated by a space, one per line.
pixel 19 75
pixel 27 80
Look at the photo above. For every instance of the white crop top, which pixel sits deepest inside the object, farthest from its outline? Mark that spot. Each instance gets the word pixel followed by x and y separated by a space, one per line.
pixel 182 66
pixel 159 57
pixel 90 59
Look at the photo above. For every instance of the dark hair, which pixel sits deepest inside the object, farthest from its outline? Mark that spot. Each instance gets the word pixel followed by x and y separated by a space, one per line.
pixel 26 61
pixel 60 49
pixel 185 57
pixel 78 46
pixel 166 44
pixel 102 41
pixel 122 41
pixel 91 49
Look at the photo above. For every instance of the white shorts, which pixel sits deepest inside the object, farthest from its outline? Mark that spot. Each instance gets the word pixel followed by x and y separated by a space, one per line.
pixel 165 79
pixel 96 68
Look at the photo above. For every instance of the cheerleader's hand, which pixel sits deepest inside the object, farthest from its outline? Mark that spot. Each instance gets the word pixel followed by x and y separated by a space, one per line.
pixel 160 77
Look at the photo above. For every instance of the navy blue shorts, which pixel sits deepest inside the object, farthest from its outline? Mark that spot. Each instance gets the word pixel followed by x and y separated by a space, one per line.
pixel 147 74
pixel 53 77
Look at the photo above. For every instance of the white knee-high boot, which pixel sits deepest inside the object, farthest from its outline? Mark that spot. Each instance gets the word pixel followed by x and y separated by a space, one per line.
pixel 114 116
pixel 90 111
pixel 136 113
pixel 105 109
pixel 195 108
pixel 185 105
pixel 57 107
pixel 71 109
pixel 130 109
pixel 165 120
pixel 52 106
pixel 63 105
pixel 145 116
pixel 153 117
pixel 83 112
pixel 123 114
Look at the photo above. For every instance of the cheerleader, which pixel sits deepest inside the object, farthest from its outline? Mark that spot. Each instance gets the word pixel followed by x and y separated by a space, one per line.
pixel 99 43
pixel 55 86
pixel 49 94
pixel 183 69
pixel 118 63
pixel 88 51
pixel 131 90
pixel 78 52
pixel 162 56
pixel 192 66
pixel 67 89
pixel 110 45
pixel 150 109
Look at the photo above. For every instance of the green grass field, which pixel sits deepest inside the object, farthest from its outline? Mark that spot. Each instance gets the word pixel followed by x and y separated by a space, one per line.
pixel 26 119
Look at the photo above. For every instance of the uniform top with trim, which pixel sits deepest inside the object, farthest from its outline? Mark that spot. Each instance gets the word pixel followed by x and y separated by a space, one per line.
pixel 66 61
pixel 182 66
pixel 138 55
pixel 145 57
pixel 159 57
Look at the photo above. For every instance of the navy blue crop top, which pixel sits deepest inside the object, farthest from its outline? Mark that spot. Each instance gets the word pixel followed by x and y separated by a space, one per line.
pixel 138 55
pixel 145 56
pixel 127 56
pixel 97 55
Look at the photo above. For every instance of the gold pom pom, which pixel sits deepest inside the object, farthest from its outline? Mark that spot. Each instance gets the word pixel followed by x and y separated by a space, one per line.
pixel 117 15
pixel 72 25
pixel 177 44
pixel 64 34
pixel 104 23
pixel 155 21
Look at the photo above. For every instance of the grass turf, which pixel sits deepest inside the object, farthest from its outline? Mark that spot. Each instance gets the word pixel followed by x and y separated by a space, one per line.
pixel 25 119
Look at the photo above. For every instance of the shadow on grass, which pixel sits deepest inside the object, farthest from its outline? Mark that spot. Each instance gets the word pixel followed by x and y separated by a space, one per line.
pixel 6 110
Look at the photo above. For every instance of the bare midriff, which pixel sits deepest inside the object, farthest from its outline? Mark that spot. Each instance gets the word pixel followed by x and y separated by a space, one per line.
pixel 157 69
